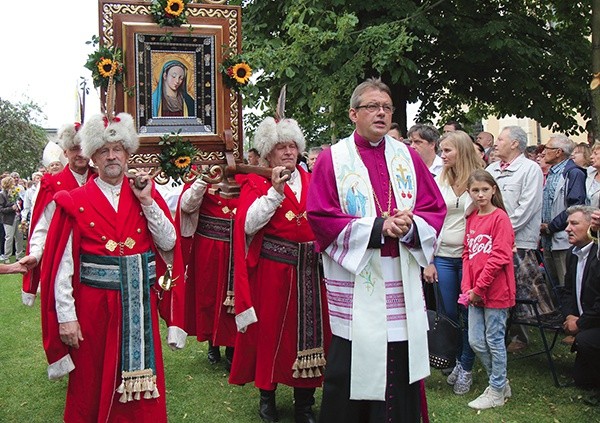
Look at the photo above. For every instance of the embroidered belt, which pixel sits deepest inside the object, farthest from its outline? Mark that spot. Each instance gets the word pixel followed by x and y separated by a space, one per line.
pixel 280 250
pixel 132 276
pixel 105 272
pixel 214 228
pixel 310 356
pixel 220 229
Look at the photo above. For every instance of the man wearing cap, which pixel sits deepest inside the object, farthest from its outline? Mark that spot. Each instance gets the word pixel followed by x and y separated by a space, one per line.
pixel 371 259
pixel 72 176
pixel 53 158
pixel 107 243
pixel 279 299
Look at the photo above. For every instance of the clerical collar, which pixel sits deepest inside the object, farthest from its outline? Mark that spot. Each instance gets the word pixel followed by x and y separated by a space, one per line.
pixel 363 142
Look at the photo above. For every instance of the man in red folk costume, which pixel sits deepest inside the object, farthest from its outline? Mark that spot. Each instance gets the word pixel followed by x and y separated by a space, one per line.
pixel 206 223
pixel 74 175
pixel 279 297
pixel 107 242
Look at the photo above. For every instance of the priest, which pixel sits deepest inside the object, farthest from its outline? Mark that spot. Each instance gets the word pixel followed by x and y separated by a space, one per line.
pixel 371 258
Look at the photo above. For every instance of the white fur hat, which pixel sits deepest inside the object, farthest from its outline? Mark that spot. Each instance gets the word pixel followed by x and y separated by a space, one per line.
pixel 97 131
pixel 68 135
pixel 269 133
pixel 53 153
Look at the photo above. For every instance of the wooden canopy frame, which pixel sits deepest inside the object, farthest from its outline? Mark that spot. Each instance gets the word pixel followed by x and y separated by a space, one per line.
pixel 214 29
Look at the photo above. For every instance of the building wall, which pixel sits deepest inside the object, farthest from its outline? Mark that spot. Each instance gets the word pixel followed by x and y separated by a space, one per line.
pixel 535 133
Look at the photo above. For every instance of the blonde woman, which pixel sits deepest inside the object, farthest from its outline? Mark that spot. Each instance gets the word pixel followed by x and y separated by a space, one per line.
pixel 11 217
pixel 460 160
pixel 592 182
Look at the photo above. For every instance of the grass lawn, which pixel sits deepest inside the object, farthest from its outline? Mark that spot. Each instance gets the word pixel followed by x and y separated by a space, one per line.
pixel 199 392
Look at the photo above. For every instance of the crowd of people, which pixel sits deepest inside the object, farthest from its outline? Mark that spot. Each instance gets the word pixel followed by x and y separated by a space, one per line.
pixel 314 277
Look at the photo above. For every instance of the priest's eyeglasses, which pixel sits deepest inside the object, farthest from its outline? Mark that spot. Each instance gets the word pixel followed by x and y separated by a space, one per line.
pixel 374 107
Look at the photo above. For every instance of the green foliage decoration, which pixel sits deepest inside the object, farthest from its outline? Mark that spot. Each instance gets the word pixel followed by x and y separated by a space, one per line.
pixel 176 156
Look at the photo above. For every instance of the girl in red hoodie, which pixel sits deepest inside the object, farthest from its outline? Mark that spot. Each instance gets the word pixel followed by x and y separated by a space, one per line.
pixel 489 283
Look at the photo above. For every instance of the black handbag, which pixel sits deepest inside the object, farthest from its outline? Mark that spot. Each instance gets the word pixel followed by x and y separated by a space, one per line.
pixel 444 335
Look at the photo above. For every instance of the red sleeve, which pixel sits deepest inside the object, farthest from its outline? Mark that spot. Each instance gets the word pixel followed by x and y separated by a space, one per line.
pixel 466 283
pixel 253 187
pixel 58 235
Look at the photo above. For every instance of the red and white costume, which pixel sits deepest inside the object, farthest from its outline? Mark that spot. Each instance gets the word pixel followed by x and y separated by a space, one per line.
pixel 43 210
pixel 266 290
pixel 104 221
pixel 206 224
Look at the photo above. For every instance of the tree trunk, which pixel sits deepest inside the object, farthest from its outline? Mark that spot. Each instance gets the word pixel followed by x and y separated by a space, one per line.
pixel 596 68
pixel 399 98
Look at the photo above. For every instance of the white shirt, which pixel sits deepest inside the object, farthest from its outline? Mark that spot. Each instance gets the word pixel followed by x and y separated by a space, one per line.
pixel 582 256
pixel 437 166
pixel 163 234
pixel 263 209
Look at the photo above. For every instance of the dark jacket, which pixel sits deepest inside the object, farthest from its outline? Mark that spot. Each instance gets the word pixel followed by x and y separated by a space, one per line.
pixel 590 291
pixel 6 208
pixel 574 194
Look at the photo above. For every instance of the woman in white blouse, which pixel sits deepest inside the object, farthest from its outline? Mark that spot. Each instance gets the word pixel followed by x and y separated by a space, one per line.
pixel 460 160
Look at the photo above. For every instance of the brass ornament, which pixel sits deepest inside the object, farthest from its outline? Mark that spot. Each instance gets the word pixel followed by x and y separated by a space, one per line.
pixel 166 282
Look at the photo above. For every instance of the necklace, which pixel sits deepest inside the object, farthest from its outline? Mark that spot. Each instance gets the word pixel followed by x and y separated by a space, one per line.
pixel 387 213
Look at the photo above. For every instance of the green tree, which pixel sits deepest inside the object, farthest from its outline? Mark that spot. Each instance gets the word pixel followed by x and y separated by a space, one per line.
pixel 21 142
pixel 464 59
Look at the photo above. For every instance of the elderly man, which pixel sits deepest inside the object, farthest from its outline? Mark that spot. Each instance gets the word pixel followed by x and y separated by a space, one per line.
pixel 565 187
pixel 53 159
pixel 581 302
pixel 371 258
pixel 521 183
pixel 107 243
pixel 74 175
pixel 424 139
pixel 279 297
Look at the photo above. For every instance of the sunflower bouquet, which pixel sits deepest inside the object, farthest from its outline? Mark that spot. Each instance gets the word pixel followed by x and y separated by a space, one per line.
pixel 236 71
pixel 176 156
pixel 169 12
pixel 104 63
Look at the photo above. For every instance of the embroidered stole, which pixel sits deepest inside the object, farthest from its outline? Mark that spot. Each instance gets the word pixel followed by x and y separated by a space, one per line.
pixel 369 322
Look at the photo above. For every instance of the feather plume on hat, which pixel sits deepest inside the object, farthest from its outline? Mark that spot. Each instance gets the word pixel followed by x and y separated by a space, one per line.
pixel 106 128
pixel 272 131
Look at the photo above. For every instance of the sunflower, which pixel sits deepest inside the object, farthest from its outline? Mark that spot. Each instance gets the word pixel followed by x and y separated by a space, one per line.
pixel 107 67
pixel 242 72
pixel 174 7
pixel 183 161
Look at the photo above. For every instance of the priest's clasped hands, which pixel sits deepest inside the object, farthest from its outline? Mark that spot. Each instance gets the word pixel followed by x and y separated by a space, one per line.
pixel 398 224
